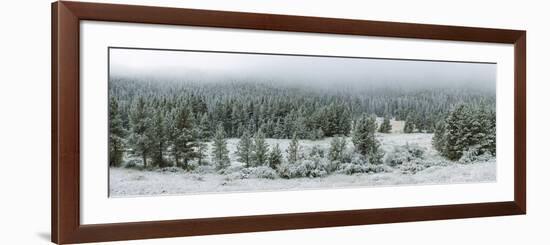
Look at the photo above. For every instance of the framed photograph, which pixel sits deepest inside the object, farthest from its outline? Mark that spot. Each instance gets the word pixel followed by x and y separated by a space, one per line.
pixel 174 122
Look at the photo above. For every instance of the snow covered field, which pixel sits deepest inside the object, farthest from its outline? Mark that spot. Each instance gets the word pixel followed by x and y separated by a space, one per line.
pixel 133 182
pixel 130 182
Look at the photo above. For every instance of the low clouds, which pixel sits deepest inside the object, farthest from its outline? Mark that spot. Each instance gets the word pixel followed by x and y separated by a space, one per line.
pixel 330 72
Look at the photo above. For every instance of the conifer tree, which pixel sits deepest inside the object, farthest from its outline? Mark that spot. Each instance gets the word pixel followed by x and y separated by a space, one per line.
pixel 467 128
pixel 300 126
pixel 182 138
pixel 279 130
pixel 260 149
pixel 337 148
pixel 317 134
pixel 455 132
pixel 409 125
pixel 140 125
pixel 204 127
pixel 385 127
pixel 438 140
pixel 244 149
pixel 220 154
pixel 202 148
pixel 158 137
pixel 201 135
pixel 116 134
pixel 489 143
pixel 293 150
pixel 275 157
pixel 365 141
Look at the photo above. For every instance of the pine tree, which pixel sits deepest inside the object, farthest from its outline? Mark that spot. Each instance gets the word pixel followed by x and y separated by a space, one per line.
pixel 335 119
pixel 158 137
pixel 317 134
pixel 204 127
pixel 409 125
pixel 455 132
pixel 116 134
pixel 489 143
pixel 438 140
pixel 300 126
pixel 337 148
pixel 202 133
pixel 275 157
pixel 293 150
pixel 202 148
pixel 260 149
pixel 385 127
pixel 365 141
pixel 344 123
pixel 182 138
pixel 279 131
pixel 220 154
pixel 466 128
pixel 244 149
pixel 140 124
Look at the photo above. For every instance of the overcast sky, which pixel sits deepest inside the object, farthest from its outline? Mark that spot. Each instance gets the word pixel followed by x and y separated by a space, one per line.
pixel 297 70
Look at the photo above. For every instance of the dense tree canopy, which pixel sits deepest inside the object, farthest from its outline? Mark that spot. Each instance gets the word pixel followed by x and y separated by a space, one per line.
pixel 466 128
pixel 166 123
pixel 283 111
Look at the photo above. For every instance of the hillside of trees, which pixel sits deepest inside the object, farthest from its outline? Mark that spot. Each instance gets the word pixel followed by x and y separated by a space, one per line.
pixel 168 123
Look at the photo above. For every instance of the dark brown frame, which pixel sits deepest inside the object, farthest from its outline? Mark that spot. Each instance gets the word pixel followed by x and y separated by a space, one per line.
pixel 65 175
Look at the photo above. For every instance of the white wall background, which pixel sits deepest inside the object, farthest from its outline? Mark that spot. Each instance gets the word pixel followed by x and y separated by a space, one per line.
pixel 25 121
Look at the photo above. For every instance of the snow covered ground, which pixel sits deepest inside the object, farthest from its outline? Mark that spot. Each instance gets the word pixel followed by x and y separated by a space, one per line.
pixel 132 182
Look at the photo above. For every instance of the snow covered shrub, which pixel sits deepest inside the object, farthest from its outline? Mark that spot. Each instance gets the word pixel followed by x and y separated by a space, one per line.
pixel 287 170
pixel 311 168
pixel 350 168
pixel 304 168
pixel 435 162
pixel 397 157
pixel 358 159
pixel 361 164
pixel 317 151
pixel 231 169
pixel 337 149
pixel 262 172
pixel 412 167
pixel 409 159
pixel 323 164
pixel 347 155
pixel 330 166
pixel 404 154
pixel 235 176
pixel 473 155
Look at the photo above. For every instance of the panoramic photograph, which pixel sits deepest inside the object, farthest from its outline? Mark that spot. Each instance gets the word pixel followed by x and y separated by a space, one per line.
pixel 202 122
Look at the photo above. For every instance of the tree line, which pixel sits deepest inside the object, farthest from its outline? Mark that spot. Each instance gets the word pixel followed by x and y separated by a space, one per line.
pixel 310 112
pixel 152 119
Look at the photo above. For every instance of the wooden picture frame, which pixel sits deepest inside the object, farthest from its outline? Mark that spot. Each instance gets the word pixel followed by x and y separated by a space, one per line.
pixel 65 163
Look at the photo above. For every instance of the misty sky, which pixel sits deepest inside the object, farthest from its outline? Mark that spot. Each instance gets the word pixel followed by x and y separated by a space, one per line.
pixel 300 70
